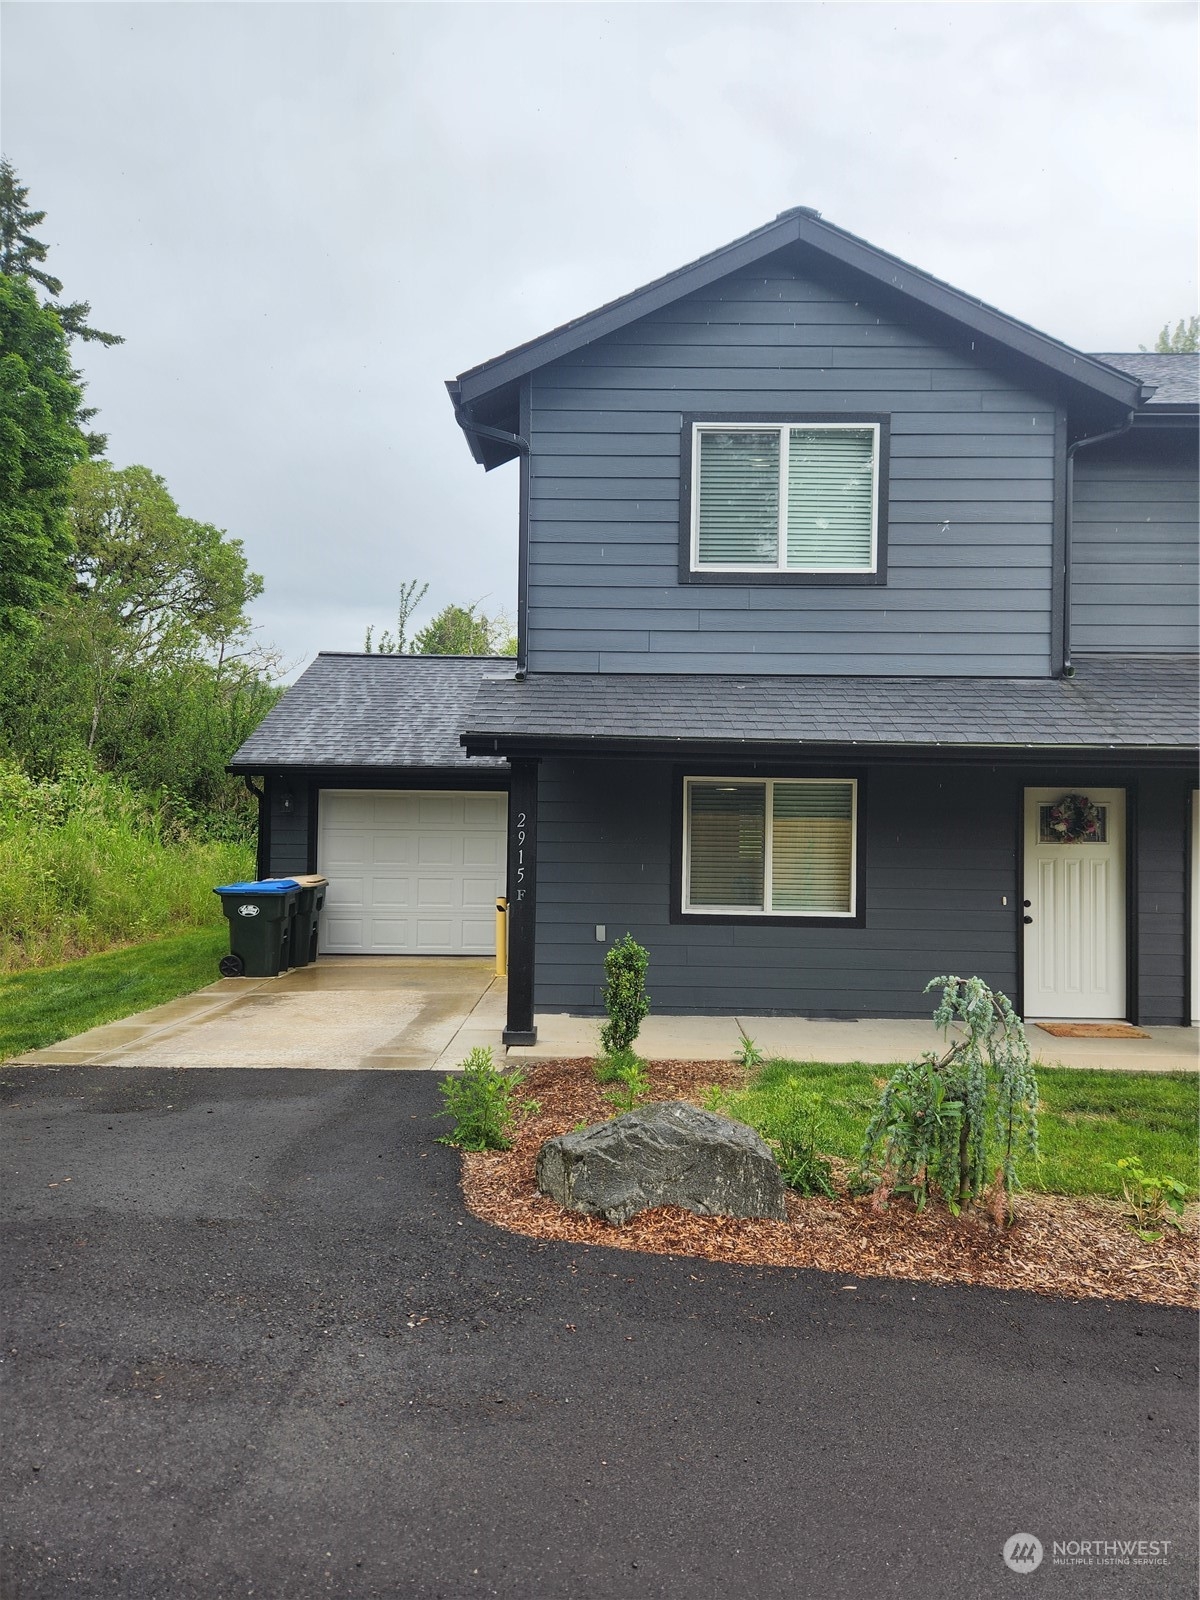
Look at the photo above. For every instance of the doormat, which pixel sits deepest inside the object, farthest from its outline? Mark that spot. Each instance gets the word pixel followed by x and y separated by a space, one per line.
pixel 1092 1030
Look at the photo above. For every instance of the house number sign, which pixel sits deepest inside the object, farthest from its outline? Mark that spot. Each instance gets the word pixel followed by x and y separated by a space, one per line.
pixel 523 856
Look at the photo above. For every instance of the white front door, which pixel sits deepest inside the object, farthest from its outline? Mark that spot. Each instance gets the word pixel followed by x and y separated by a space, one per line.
pixel 411 872
pixel 1075 909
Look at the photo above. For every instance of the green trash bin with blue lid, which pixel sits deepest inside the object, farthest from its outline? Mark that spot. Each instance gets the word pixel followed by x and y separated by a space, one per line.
pixel 260 915
pixel 310 898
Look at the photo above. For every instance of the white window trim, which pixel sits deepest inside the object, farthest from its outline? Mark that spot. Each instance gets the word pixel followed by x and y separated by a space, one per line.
pixel 784 431
pixel 689 909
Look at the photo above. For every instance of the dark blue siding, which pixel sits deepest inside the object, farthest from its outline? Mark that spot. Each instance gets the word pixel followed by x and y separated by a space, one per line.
pixel 289 829
pixel 970 508
pixel 1162 821
pixel 1135 552
pixel 941 852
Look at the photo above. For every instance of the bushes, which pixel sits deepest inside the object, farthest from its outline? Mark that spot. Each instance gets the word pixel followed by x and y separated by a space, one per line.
pixel 625 997
pixel 484 1103
pixel 86 863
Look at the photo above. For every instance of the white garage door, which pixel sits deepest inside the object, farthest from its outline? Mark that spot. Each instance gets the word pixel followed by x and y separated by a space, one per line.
pixel 411 872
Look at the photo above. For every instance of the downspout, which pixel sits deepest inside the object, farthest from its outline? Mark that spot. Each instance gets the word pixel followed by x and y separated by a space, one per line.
pixel 520 444
pixel 263 854
pixel 1068 669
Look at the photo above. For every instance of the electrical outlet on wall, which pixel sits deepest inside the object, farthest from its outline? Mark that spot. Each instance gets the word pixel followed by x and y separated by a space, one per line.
pixel 600 933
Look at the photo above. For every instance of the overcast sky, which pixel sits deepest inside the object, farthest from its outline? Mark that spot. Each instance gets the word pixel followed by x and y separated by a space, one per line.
pixel 304 218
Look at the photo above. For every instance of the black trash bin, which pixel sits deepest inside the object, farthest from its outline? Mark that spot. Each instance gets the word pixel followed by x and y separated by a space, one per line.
pixel 310 897
pixel 260 917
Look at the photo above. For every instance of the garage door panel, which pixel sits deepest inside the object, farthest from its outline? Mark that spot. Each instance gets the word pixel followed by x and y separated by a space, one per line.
pixel 393 849
pixel 344 893
pixel 392 893
pixel 435 893
pixel 440 811
pixel 347 810
pixel 347 849
pixel 482 849
pixel 411 872
pixel 438 849
pixel 394 811
pixel 479 894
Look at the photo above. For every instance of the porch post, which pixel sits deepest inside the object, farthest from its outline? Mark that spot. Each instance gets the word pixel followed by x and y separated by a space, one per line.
pixel 522 898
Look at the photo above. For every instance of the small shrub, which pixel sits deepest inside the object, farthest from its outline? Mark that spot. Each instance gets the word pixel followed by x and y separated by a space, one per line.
pixel 800 1165
pixel 954 1123
pixel 625 997
pixel 484 1103
pixel 747 1053
pixel 632 1084
pixel 609 1068
pixel 1153 1199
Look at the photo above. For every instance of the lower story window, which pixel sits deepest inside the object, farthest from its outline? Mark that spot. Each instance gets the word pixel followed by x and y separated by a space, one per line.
pixel 770 846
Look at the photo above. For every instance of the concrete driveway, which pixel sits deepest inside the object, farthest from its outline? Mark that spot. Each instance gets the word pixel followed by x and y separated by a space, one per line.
pixel 341 1012
pixel 254 1345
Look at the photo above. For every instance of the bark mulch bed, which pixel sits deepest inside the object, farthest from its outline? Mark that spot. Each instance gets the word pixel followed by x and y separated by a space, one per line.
pixel 1081 1249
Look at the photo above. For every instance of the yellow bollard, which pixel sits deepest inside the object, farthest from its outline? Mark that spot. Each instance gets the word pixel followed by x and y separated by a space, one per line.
pixel 501 937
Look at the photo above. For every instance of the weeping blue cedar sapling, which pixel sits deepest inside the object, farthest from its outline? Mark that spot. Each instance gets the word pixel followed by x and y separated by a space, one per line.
pixel 950 1123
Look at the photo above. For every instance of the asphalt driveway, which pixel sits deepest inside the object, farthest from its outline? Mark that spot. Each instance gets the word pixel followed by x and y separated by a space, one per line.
pixel 255 1346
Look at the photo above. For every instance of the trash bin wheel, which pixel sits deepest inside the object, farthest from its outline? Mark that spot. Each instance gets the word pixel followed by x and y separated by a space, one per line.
pixel 231 966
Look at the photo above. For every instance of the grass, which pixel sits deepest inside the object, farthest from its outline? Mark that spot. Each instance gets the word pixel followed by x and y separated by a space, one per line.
pixel 86 864
pixel 39 1008
pixel 1087 1119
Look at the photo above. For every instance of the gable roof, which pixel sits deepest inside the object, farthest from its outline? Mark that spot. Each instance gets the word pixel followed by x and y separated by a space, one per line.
pixel 355 711
pixel 1175 376
pixel 1117 703
pixel 486 397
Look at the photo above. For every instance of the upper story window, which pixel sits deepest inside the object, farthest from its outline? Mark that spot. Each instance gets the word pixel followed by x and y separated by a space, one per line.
pixel 797 498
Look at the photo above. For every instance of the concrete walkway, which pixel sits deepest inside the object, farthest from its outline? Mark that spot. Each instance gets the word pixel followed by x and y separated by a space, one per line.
pixel 343 1012
pixel 426 1012
pixel 665 1038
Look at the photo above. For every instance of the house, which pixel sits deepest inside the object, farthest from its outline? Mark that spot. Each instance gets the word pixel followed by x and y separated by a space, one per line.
pixel 857 644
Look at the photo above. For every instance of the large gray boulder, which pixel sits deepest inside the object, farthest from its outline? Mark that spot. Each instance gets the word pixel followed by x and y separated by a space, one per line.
pixel 667 1154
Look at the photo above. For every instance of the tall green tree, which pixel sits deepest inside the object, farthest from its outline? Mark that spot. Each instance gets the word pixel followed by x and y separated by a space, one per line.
pixel 23 256
pixel 465 631
pixel 152 587
pixel 23 259
pixel 40 443
pixel 1183 339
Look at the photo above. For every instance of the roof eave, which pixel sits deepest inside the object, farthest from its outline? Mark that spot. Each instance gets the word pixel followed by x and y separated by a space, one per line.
pixel 1073 366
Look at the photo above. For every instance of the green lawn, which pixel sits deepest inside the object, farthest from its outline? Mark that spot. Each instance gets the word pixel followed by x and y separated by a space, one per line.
pixel 40 1006
pixel 1086 1119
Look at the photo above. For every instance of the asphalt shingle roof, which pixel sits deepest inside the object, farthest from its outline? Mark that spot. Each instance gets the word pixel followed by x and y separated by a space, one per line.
pixel 1111 703
pixel 372 711
pixel 1176 377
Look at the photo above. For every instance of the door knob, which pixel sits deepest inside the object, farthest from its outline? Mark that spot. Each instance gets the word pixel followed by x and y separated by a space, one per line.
pixel 1027 904
pixel 1026 920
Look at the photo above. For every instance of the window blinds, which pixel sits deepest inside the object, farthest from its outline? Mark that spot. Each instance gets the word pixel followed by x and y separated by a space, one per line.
pixel 813 486
pixel 772 845
pixel 739 499
pixel 727 836
pixel 812 840
pixel 831 497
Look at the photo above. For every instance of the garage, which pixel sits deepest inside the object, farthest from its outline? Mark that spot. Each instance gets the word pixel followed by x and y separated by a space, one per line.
pixel 411 872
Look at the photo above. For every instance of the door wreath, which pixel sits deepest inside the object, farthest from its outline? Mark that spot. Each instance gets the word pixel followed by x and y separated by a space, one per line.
pixel 1074 820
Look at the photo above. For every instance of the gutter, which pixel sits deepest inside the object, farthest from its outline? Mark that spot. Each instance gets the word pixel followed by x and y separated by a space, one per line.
pixel 1068 668
pixel 263 854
